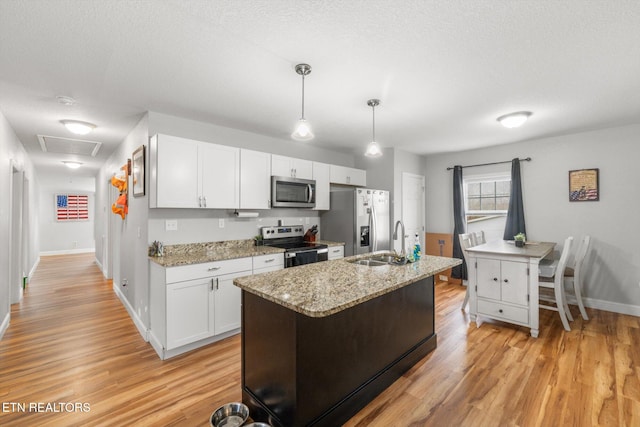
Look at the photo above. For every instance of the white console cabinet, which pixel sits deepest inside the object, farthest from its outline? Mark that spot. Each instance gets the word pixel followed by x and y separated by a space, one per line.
pixel 336 252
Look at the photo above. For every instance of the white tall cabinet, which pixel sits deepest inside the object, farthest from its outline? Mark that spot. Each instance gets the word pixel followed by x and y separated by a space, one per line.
pixel 188 174
pixel 321 173
pixel 348 176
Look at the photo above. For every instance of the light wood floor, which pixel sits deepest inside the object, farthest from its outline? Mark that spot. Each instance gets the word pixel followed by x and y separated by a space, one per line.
pixel 71 340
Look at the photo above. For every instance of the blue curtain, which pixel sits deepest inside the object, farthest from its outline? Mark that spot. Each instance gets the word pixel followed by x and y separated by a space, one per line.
pixel 460 224
pixel 515 214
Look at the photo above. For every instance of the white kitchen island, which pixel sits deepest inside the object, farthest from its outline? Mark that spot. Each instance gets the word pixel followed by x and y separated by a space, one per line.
pixel 503 282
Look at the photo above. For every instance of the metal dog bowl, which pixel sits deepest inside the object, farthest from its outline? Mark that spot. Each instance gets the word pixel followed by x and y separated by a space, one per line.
pixel 230 415
pixel 257 425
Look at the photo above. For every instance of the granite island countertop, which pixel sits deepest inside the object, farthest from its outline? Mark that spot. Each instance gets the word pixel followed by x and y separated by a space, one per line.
pixel 325 288
pixel 195 253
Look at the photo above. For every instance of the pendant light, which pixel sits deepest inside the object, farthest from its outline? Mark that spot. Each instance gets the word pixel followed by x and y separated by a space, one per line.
pixel 373 149
pixel 303 129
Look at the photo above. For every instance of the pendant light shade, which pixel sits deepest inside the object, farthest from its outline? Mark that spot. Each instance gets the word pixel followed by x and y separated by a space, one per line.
pixel 373 149
pixel 303 131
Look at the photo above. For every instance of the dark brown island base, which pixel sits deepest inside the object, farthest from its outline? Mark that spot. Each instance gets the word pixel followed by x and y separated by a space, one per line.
pixel 320 341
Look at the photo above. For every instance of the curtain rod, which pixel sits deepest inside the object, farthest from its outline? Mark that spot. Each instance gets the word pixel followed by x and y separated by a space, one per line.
pixel 528 159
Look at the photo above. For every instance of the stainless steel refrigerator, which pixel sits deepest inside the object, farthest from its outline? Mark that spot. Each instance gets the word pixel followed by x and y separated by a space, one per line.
pixel 359 218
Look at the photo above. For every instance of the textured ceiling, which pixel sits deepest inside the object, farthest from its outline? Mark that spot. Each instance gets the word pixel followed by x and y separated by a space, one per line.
pixel 443 70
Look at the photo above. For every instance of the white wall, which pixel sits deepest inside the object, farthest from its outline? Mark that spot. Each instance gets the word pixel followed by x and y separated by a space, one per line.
pixel 613 273
pixel 65 237
pixel 129 236
pixel 12 153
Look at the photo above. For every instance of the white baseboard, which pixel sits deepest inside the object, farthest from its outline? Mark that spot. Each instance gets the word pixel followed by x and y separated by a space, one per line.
pixel 166 354
pixel 68 252
pixel 142 329
pixel 614 307
pixel 99 264
pixel 33 269
pixel 5 324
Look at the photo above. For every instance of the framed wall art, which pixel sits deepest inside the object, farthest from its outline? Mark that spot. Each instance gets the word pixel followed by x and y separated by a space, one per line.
pixel 584 185
pixel 137 174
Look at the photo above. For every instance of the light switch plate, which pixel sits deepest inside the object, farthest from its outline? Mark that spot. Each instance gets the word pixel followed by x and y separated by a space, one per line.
pixel 221 223
pixel 171 225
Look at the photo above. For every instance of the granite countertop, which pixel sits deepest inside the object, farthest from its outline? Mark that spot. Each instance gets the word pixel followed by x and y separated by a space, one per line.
pixel 325 288
pixel 195 253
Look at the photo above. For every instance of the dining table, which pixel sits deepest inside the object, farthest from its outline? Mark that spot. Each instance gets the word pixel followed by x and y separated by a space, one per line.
pixel 503 281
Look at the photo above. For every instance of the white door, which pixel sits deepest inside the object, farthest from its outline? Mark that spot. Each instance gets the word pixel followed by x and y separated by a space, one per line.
pixel 15 252
pixel 413 209
pixel 281 165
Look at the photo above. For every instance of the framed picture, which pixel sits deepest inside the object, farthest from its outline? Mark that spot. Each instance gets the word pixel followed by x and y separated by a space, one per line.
pixel 584 185
pixel 137 173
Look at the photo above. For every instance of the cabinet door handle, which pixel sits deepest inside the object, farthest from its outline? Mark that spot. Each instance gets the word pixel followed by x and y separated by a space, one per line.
pixel 495 279
pixel 205 201
pixel 506 280
pixel 200 201
pixel 213 268
pixel 212 283
pixel 335 251
pixel 217 283
pixel 500 311
pixel 269 260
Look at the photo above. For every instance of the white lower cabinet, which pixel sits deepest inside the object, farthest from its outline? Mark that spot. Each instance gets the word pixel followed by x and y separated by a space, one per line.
pixel 194 305
pixel 197 304
pixel 336 252
pixel 502 290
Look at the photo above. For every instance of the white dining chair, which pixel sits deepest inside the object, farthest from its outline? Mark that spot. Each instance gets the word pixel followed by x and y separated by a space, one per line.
pixel 465 243
pixel 478 238
pixel 557 284
pixel 574 275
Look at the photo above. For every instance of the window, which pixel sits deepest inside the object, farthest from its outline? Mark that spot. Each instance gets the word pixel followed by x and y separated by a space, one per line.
pixel 486 196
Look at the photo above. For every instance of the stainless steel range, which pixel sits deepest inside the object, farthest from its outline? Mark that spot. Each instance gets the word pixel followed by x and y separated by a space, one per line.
pixel 291 239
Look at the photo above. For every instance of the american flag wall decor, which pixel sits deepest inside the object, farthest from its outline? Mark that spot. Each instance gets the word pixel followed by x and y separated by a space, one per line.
pixel 584 185
pixel 72 207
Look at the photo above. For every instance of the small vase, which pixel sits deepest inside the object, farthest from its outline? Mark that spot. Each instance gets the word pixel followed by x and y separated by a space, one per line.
pixel 520 243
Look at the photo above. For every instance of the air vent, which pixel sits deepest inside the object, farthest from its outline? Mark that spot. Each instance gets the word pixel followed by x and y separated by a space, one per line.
pixel 54 144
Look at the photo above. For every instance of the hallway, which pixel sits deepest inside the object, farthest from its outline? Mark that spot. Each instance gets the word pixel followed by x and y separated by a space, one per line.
pixel 72 341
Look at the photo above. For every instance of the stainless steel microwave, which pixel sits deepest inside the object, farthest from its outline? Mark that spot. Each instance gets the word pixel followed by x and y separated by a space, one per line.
pixel 289 192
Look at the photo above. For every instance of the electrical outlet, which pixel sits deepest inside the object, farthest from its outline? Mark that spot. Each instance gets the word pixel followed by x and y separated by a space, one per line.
pixel 440 242
pixel 443 278
pixel 221 223
pixel 171 225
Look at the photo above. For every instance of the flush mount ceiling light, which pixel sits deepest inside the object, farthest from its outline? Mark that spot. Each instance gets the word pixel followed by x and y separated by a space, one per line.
pixel 78 127
pixel 373 149
pixel 514 120
pixel 72 165
pixel 65 100
pixel 303 129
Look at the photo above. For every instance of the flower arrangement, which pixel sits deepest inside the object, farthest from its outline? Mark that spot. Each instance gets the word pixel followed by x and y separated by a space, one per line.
pixel 520 238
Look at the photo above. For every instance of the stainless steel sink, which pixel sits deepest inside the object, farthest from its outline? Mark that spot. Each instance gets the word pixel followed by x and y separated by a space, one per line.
pixel 383 258
pixel 369 262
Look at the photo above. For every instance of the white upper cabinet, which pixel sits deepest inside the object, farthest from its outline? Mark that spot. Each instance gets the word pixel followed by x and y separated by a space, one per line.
pixel 348 176
pixel 193 174
pixel 321 173
pixel 294 168
pixel 255 180
pixel 219 166
pixel 174 173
